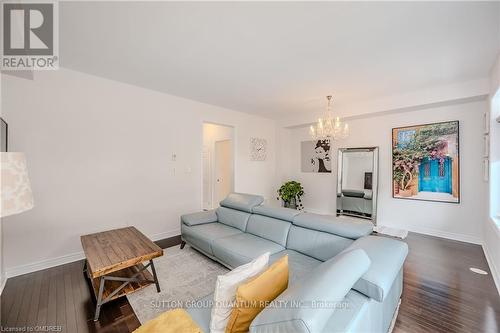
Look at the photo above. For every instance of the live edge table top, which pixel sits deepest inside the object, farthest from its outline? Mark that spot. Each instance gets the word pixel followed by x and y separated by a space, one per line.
pixel 114 250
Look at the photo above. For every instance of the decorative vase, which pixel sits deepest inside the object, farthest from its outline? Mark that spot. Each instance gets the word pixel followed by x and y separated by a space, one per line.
pixel 290 204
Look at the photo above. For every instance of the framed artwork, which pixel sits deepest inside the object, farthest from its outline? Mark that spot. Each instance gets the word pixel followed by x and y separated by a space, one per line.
pixel 486 170
pixel 315 156
pixel 426 162
pixel 486 122
pixel 4 135
pixel 258 149
pixel 486 145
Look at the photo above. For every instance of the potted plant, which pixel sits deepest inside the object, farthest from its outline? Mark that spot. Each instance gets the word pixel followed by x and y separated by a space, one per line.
pixel 291 193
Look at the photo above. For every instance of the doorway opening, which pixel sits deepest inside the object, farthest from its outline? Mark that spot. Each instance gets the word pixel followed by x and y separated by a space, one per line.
pixel 218 163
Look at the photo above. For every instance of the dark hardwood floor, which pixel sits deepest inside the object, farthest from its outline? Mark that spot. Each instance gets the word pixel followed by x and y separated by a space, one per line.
pixel 440 294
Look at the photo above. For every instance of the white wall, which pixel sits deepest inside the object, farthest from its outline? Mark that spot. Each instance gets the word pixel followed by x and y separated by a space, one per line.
pixel 99 156
pixel 457 221
pixel 491 242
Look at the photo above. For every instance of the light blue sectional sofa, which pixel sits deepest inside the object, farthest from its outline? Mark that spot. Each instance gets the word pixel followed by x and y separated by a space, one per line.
pixel 342 279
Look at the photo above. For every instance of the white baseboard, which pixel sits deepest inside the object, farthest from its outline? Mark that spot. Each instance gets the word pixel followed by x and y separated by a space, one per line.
pixel 163 235
pixel 494 270
pixel 43 264
pixel 66 259
pixel 448 235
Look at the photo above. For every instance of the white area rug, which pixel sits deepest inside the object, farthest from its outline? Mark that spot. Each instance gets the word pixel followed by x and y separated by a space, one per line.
pixel 179 283
pixel 394 232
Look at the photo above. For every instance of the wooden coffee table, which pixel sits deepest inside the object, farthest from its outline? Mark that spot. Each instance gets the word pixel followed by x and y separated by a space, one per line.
pixel 114 263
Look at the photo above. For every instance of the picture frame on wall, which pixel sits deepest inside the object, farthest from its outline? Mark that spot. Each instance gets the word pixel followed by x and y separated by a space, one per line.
pixel 486 170
pixel 486 145
pixel 4 135
pixel 315 156
pixel 486 122
pixel 426 162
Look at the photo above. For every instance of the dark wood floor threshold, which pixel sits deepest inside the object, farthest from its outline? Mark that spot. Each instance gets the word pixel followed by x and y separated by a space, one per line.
pixel 440 294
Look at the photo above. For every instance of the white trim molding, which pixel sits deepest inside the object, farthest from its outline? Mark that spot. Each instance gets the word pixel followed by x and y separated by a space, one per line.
pixel 66 259
pixel 494 270
pixel 43 264
pixel 447 235
pixel 491 248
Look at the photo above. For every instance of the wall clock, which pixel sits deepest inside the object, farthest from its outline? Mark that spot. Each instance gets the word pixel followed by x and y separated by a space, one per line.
pixel 258 149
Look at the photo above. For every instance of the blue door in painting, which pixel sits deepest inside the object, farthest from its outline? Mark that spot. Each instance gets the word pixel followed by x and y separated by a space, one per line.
pixel 435 176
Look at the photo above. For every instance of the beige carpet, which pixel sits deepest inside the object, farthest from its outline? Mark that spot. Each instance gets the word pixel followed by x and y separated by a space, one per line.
pixel 178 283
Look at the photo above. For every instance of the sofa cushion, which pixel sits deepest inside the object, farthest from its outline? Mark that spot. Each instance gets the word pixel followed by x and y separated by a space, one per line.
pixel 387 256
pixel 203 235
pixel 242 248
pixel 328 283
pixel 208 216
pixel 269 228
pixel 355 303
pixel 299 265
pixel 341 226
pixel 253 295
pixel 232 217
pixel 353 193
pixel 225 290
pixel 316 244
pixel 242 201
pixel 282 213
pixel 201 310
pixel 171 321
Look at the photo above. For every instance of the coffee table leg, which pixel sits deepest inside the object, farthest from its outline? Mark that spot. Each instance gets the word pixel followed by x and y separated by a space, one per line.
pixel 154 276
pixel 99 299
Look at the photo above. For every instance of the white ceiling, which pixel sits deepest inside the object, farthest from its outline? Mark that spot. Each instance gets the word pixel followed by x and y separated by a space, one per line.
pixel 279 58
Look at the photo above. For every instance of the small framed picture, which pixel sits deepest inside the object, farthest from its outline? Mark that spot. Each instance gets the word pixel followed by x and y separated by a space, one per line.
pixel 486 170
pixel 486 145
pixel 4 135
pixel 486 122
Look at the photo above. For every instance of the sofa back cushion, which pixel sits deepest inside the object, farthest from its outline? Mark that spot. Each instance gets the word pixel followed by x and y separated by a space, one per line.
pixel 281 213
pixel 232 217
pixel 269 228
pixel 242 201
pixel 341 226
pixel 317 244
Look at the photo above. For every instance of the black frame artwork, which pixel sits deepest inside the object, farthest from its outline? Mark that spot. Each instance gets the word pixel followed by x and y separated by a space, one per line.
pixel 4 134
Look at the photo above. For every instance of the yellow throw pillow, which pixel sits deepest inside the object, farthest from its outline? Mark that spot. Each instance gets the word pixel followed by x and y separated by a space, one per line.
pixel 253 296
pixel 173 321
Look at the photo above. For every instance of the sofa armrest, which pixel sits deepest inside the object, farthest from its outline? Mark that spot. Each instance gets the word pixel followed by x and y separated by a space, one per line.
pixel 204 217
pixel 387 257
pixel 307 306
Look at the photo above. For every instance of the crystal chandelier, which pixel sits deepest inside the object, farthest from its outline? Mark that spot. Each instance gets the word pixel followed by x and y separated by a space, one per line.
pixel 329 128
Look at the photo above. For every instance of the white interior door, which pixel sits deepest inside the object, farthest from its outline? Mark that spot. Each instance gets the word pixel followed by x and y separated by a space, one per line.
pixel 223 159
pixel 207 179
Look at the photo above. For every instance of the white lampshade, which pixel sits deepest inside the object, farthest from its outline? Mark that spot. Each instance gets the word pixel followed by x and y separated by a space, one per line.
pixel 15 185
